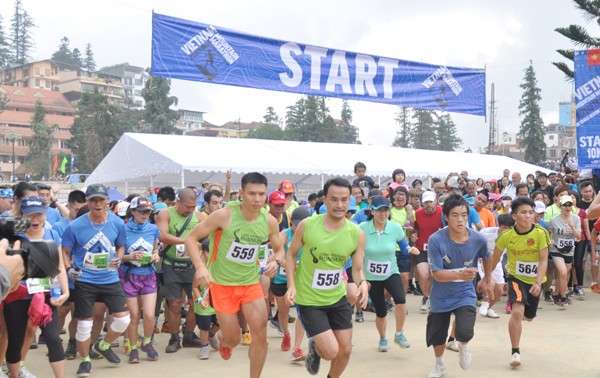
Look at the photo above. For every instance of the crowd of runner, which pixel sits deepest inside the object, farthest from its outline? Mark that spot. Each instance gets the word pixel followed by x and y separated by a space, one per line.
pixel 223 265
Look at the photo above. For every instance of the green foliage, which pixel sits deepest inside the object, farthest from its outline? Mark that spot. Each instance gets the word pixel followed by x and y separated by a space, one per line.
pixel 447 133
pixel 21 38
pixel 97 128
pixel 39 159
pixel 5 53
pixel 271 117
pixel 267 131
pixel 424 132
pixel 158 114
pixel 403 135
pixel 531 130
pixel 89 63
pixel 66 58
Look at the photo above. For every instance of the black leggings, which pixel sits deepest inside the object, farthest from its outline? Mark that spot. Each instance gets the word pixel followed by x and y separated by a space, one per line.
pixel 15 314
pixel 393 284
pixel 580 250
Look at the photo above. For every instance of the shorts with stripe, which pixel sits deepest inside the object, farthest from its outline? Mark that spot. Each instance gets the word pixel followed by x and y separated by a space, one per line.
pixel 518 291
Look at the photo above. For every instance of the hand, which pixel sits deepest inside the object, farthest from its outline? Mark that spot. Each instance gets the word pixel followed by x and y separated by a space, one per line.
pixel 488 290
pixel 362 298
pixel 114 263
pixel 74 274
pixel 155 258
pixel 14 264
pixel 57 302
pixel 203 304
pixel 228 175
pixel 271 269
pixel 468 274
pixel 204 277
pixel 414 251
pixel 536 289
pixel 290 295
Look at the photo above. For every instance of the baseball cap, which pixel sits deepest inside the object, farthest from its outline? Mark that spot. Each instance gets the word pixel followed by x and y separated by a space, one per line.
pixel 298 215
pixel 428 196
pixel 33 204
pixel 352 206
pixel 565 199
pixel 379 201
pixel 374 192
pixel 96 190
pixel 442 199
pixel 277 198
pixel 540 207
pixel 158 207
pixel 121 208
pixel 416 182
pixel 286 186
pixel 6 193
pixel 494 181
pixel 141 203
pixel 453 182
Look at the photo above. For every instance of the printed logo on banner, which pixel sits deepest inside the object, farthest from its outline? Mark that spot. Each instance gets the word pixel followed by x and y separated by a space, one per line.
pixel 587 105
pixel 437 85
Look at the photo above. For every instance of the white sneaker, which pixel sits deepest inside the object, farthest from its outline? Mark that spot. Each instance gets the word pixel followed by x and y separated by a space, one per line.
pixel 204 353
pixel 425 304
pixel 438 371
pixel 515 360
pixel 24 373
pixel 452 345
pixel 483 309
pixel 464 357
pixel 492 314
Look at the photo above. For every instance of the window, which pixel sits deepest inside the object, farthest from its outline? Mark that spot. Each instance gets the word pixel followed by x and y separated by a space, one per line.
pixel 37 82
pixel 551 137
pixel 36 70
pixel 553 153
pixel 26 72
pixel 47 72
pixel 47 83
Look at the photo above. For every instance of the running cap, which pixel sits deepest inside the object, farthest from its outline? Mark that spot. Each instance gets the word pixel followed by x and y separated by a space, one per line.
pixel 566 199
pixel 379 201
pixel 540 207
pixel 286 186
pixel 428 196
pixel 33 204
pixel 298 215
pixel 96 190
pixel 121 208
pixel 277 197
pixel 141 203
pixel 352 206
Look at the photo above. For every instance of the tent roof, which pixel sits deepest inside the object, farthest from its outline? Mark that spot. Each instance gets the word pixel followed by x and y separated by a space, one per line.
pixel 152 159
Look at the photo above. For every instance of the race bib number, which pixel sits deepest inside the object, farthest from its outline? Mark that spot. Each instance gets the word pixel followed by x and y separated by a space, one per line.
pixel 96 261
pixel 565 243
pixel 145 260
pixel 180 251
pixel 527 269
pixel 326 279
pixel 282 271
pixel 377 268
pixel 38 285
pixel 242 253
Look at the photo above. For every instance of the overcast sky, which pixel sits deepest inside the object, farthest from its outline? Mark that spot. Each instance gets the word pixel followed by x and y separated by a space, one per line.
pixel 499 35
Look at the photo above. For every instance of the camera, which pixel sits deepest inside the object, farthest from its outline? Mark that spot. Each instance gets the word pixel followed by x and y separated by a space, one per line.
pixel 40 257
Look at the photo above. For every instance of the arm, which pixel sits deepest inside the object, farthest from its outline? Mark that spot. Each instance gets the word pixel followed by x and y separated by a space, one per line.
pixel 576 228
pixel 276 245
pixel 227 194
pixel 593 212
pixel 358 258
pixel 468 274
pixel 536 289
pixel 62 279
pixel 290 262
pixel 586 229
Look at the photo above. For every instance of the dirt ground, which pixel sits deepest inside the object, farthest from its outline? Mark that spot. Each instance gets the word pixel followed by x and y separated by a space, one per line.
pixel 557 344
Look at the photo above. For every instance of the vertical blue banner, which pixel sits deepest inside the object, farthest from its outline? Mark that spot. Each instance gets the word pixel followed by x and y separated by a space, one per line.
pixel 189 50
pixel 587 103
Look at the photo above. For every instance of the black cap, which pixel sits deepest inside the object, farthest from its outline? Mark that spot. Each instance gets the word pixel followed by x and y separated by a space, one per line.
pixel 299 214
pixel 374 192
pixel 380 201
pixel 96 190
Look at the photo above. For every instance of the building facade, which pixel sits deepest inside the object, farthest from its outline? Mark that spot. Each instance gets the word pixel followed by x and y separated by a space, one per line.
pixel 73 83
pixel 133 79
pixel 42 74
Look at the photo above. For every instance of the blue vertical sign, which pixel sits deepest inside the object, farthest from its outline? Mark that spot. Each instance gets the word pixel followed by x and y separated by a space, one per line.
pixel 189 50
pixel 587 103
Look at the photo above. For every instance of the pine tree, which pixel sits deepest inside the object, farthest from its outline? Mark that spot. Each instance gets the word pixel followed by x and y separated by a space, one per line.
pixel 531 131
pixel 76 59
pixel 447 133
pixel 89 63
pixel 403 135
pixel 64 56
pixel 424 132
pixel 270 129
pixel 271 117
pixel 21 37
pixel 38 158
pixel 346 130
pixel 5 53
pixel 157 109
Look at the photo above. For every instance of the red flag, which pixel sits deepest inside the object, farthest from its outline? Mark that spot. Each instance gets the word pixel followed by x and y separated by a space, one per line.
pixel 593 57
pixel 55 167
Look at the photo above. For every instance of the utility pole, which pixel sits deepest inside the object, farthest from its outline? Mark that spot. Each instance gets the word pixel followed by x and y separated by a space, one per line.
pixel 492 122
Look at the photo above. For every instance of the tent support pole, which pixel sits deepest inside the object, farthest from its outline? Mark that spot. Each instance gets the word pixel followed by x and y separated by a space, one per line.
pixel 151 183
pixel 182 178
pixel 322 183
pixel 126 188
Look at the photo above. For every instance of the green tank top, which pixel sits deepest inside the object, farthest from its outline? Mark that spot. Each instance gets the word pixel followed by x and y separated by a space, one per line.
pixel 177 251
pixel 234 251
pixel 319 278
pixel 198 310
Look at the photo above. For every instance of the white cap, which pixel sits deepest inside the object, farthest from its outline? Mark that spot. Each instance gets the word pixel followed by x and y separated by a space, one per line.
pixel 540 207
pixel 453 182
pixel 122 208
pixel 428 196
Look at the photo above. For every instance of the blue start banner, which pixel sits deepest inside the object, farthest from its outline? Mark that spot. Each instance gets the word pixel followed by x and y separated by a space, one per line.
pixel 189 50
pixel 587 104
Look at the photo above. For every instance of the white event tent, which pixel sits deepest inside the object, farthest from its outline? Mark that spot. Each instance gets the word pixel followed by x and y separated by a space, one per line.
pixel 141 160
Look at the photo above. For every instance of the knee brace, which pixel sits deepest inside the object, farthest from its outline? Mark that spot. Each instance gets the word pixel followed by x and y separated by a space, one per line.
pixel 84 330
pixel 120 325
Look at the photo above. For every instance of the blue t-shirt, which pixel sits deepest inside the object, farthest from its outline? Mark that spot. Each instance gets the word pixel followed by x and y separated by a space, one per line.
pixel 48 235
pixel 444 254
pixel 360 216
pixel 140 237
pixel 53 216
pixel 60 226
pixel 85 238
pixel 281 278
pixel 473 218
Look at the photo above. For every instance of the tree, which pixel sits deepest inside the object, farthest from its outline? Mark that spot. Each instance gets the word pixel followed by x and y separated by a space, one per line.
pixel 89 63
pixel 157 110
pixel 579 35
pixel 403 135
pixel 271 128
pixel 76 59
pixel 531 131
pixel 271 117
pixel 447 133
pixel 5 55
pixel 97 128
pixel 424 132
pixel 63 56
pixel 21 35
pixel 347 130
pixel 38 158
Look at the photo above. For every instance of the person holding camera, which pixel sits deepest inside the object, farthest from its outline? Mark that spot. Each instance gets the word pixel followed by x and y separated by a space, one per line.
pixel 97 243
pixel 33 298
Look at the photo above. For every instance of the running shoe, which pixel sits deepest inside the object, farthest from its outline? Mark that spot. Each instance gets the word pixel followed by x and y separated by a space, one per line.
pixel 452 345
pixel 94 355
pixel 109 354
pixel 134 356
pixel 425 304
pixel 286 342
pixel 569 291
pixel 225 352
pixel 174 344
pixel 438 371
pixel 401 340
pixel 291 319
pixel 204 353
pixel 297 355
pixel 71 351
pixel 383 345
pixel 556 299
pixel 246 338
pixel 492 314
pixel 3 375
pixel 360 317
pixel 190 340
pixel 214 343
pixel 464 356
pixel 84 370
pixel 580 293
pixel 563 304
pixel 515 360
pixel 483 309
pixel 508 307
pixel 275 324
pixel 595 288
pixel 151 352
pixel 313 360
pixel 25 373
pixel 548 295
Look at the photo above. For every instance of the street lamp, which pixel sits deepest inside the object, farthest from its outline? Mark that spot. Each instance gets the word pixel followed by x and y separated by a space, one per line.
pixel 13 137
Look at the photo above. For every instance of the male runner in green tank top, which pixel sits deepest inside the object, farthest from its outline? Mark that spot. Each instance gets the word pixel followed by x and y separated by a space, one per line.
pixel 232 272
pixel 177 268
pixel 317 287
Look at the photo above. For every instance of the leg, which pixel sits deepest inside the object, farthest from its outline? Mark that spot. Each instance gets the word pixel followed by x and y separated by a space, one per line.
pixel 580 250
pixel 256 314
pixel 134 313
pixel 148 302
pixel 376 292
pixel 15 314
pixel 283 312
pixel 174 315
pixel 561 276
pixel 515 324
pixel 344 341
pixel 298 334
pixel 56 353
pixel 424 275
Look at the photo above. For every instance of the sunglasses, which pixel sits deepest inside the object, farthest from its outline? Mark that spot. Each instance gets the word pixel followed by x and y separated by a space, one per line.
pixel 567 205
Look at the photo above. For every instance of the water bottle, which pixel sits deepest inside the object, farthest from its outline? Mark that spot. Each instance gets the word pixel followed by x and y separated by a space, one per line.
pixel 55 290
pixel 112 255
